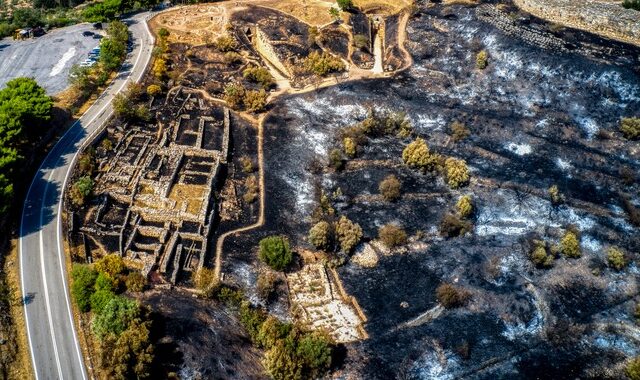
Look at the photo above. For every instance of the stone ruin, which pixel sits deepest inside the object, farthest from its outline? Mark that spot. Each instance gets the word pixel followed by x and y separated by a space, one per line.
pixel 156 204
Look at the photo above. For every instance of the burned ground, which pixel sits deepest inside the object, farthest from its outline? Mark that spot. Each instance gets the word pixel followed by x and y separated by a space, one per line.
pixel 539 116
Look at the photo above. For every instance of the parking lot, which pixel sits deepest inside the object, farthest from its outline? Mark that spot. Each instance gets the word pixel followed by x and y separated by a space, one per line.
pixel 47 58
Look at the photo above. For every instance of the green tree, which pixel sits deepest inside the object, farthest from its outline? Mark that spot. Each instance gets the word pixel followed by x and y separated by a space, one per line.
pixel 345 4
pixel 570 245
pixel 131 354
pixel 465 206
pixel 314 350
pixel 100 299
pixel 82 285
pixel 456 172
pixel 615 258
pixel 115 317
pixel 135 282
pixel 275 252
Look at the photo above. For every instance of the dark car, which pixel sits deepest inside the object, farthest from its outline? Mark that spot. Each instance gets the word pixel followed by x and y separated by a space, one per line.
pixel 97 25
pixel 87 33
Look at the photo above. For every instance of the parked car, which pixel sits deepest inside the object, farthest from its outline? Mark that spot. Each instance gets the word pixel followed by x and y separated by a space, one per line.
pixel 87 33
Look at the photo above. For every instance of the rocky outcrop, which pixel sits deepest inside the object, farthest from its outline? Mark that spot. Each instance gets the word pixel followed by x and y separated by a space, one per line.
pixel 608 19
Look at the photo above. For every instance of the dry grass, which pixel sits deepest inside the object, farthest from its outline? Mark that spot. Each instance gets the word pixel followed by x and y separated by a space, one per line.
pixel 21 368
pixel 312 12
pixel 384 6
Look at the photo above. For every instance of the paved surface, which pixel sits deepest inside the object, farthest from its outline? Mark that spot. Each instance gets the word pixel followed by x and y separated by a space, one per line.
pixel 55 352
pixel 46 58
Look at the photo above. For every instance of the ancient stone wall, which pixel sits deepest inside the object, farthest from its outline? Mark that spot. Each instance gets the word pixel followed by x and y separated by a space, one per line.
pixel 264 47
pixel 608 19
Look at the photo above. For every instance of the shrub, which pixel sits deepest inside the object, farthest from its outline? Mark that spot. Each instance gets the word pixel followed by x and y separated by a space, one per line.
pixel 555 195
pixel 323 63
pixel 350 147
pixel 106 144
pixel 456 172
pixel 632 369
pixel 465 206
pixel 630 127
pixel 266 285
pixel 335 159
pixel 160 68
pixel 345 4
pixel 87 163
pixel 115 317
pixel 459 132
pixel 271 331
pixel 392 235
pixel 315 350
pixel 615 258
pixel 451 296
pixel 390 188
pixel 234 95
pixel 320 235
pixel 154 90
pixel 259 75
pixel 130 355
pixel 539 255
pixel 135 282
pixel 348 234
pixel 247 164
pixel 251 189
pixel 232 57
pixel 81 190
pixel 205 281
pixel 100 299
pixel 452 226
pixel 570 246
pixel 417 155
pixel 82 286
pixel 252 319
pixel 482 59
pixel 111 265
pixel 275 252
pixel 361 41
pixel 225 44
pixel 105 282
pixel 255 101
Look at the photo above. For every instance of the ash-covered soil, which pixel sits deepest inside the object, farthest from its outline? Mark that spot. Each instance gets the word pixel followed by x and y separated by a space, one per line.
pixel 538 117
pixel 200 339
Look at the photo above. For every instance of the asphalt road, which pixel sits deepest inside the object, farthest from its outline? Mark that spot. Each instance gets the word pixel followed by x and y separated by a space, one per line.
pixel 47 58
pixel 55 352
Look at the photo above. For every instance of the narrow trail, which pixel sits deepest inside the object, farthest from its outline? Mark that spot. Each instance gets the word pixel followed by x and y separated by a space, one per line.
pixel 284 88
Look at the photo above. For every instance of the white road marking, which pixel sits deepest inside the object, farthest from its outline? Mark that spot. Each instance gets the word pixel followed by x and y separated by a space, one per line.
pixel 60 250
pixel 57 69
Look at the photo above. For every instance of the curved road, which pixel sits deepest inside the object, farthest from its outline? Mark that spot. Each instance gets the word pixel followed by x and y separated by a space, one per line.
pixel 55 352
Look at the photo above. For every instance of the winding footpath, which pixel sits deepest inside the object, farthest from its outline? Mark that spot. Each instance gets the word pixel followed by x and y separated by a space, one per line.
pixel 53 343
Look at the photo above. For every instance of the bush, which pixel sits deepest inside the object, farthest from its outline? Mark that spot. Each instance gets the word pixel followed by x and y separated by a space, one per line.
pixel 271 331
pixel 266 285
pixel 135 282
pixel 115 317
pixel 459 132
pixel 465 206
pixel 320 235
pixel 456 172
pixel 205 281
pixel 255 101
pixel 361 41
pixel 570 246
pixel 111 265
pixel 225 44
pixel 335 159
pixel 154 90
pixel 632 369
pixel 392 235
pixel 350 147
pixel 130 355
pixel 82 285
pixel 630 127
pixel 81 190
pixel 452 226
pixel 247 164
pixel 348 234
pixel 251 189
pixel 451 296
pixel 615 258
pixel 275 252
pixel 259 75
pixel 390 188
pixel 417 155
pixel 555 195
pixel 323 63
pixel 100 299
pixel 232 57
pixel 234 95
pixel 482 59
pixel 539 255
pixel 345 4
